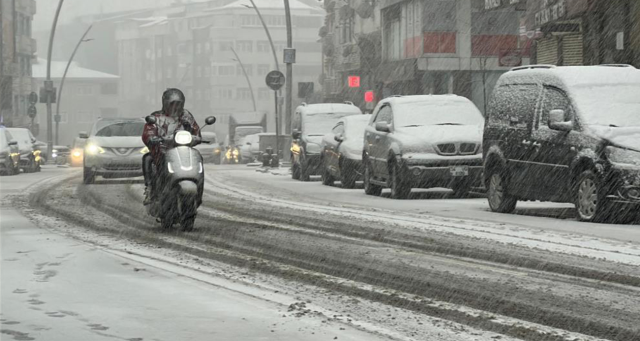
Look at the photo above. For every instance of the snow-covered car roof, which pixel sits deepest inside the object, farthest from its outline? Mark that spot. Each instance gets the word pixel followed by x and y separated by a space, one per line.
pixel 328 108
pixel 571 76
pixel 424 98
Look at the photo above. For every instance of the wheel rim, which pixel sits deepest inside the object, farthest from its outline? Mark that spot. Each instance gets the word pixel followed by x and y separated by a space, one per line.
pixel 587 198
pixel 496 190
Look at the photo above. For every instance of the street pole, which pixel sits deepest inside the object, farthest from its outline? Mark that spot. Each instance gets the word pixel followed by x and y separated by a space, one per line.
pixel 253 97
pixel 64 76
pixel 48 84
pixel 289 76
pixel 275 94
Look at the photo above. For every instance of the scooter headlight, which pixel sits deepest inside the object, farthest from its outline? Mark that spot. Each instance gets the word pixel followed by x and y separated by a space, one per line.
pixel 144 150
pixel 183 138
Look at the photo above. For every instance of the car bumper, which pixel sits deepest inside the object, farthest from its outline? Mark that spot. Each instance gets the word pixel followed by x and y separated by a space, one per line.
pixel 442 172
pixel 115 166
pixel 625 188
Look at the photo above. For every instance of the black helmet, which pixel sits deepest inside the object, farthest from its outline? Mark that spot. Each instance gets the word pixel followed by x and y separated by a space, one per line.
pixel 173 101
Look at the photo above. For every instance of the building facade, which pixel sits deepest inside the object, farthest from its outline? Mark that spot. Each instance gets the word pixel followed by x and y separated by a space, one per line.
pixel 87 95
pixel 190 47
pixel 406 47
pixel 17 50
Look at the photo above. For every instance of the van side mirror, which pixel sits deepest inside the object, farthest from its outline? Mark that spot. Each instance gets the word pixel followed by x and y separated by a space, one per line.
pixel 338 137
pixel 557 121
pixel 383 127
pixel 210 120
pixel 296 134
pixel 150 120
pixel 83 135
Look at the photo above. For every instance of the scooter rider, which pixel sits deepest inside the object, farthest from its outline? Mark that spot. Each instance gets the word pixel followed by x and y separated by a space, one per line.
pixel 172 118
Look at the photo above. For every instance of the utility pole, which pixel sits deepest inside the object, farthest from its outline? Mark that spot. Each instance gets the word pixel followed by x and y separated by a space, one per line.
pixel 253 97
pixel 64 76
pixel 289 61
pixel 48 84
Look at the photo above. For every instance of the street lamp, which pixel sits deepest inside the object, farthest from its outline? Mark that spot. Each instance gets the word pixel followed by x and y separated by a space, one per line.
pixel 64 76
pixel 48 84
pixel 253 98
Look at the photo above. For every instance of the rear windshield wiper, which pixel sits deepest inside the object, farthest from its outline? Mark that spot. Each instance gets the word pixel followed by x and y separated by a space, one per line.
pixel 449 124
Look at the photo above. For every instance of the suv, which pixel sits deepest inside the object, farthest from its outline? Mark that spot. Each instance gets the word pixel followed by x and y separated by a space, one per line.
pixel 421 142
pixel 309 125
pixel 565 134
pixel 114 149
pixel 9 153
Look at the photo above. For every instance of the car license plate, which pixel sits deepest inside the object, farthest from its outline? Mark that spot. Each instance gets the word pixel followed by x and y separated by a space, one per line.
pixel 459 170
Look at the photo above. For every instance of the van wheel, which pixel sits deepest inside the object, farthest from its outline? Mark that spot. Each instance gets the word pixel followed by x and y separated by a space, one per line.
pixel 591 204
pixel 369 188
pixel 499 198
pixel 400 188
pixel 88 176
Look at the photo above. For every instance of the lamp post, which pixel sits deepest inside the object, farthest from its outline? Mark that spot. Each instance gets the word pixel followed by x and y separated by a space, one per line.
pixel 64 76
pixel 253 97
pixel 48 84
pixel 289 77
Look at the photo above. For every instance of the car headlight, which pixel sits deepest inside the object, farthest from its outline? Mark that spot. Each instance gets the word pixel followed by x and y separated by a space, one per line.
pixel 216 151
pixel 183 138
pixel 144 150
pixel 313 148
pixel 623 156
pixel 93 149
pixel 77 153
pixel 55 151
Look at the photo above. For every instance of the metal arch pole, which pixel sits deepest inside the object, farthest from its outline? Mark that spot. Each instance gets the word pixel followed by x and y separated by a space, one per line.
pixel 49 84
pixel 275 93
pixel 266 30
pixel 253 98
pixel 289 79
pixel 64 76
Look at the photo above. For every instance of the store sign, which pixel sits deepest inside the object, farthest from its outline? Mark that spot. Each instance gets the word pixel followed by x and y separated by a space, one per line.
pixel 551 10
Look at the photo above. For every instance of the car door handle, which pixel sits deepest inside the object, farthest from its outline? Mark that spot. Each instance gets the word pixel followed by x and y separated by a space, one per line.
pixel 537 144
pixel 526 143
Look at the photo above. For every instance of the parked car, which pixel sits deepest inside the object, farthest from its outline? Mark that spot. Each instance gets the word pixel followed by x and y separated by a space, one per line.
pixel 30 159
pixel 250 148
pixel 565 134
pixel 211 151
pixel 421 142
pixel 77 150
pixel 342 151
pixel 309 124
pixel 114 149
pixel 9 153
pixel 59 154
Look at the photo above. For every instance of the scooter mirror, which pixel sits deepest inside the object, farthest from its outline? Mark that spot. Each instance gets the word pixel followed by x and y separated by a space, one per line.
pixel 210 120
pixel 150 119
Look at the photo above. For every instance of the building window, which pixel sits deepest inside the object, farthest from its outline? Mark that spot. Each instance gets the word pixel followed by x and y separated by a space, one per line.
pixel 264 94
pixel 225 46
pixel 108 112
pixel 263 69
pixel 85 90
pixel 244 46
pixel 243 93
pixel 109 89
pixel 262 46
pixel 249 20
pixel 207 46
pixel 346 30
pixel 226 70
pixel 247 68
pixel 226 94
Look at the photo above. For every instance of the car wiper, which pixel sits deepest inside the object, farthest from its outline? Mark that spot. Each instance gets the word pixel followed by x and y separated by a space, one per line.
pixel 449 124
pixel 412 126
pixel 613 126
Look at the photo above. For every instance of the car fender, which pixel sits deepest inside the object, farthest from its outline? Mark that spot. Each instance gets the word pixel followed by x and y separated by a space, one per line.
pixel 493 155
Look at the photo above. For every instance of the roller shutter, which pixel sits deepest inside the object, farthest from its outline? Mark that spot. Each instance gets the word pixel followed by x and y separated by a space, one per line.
pixel 548 51
pixel 572 50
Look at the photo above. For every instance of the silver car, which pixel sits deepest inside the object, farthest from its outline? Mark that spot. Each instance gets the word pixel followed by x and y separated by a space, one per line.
pixel 114 149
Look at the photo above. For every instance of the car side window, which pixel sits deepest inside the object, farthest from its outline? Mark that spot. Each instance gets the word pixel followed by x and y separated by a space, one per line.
pixel 385 115
pixel 554 99
pixel 514 105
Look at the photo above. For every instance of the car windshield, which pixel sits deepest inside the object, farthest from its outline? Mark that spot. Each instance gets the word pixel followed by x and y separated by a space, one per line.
pixel 441 113
pixel 23 137
pixel 121 129
pixel 318 124
pixel 609 105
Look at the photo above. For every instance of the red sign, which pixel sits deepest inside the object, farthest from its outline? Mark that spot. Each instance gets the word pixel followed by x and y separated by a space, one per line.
pixel 369 96
pixel 354 81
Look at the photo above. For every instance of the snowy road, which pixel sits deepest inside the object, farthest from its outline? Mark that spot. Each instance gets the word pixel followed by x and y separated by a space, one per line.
pixel 325 260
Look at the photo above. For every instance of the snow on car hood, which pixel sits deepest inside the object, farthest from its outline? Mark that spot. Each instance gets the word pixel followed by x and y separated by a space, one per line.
pixel 423 138
pixel 626 137
pixel 117 141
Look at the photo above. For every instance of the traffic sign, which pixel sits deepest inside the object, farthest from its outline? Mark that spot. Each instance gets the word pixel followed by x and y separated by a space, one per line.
pixel 275 80
pixel 32 111
pixel 289 56
pixel 33 98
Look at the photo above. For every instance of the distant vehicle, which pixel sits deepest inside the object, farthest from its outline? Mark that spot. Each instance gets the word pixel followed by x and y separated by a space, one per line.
pixel 421 142
pixel 342 151
pixel 210 150
pixel 309 124
pixel 114 149
pixel 250 148
pixel 241 125
pixel 77 150
pixel 9 153
pixel 59 154
pixel 30 159
pixel 565 134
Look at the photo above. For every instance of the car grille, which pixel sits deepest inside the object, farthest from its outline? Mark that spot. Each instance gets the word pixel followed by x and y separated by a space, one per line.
pixel 467 148
pixel 122 151
pixel 447 149
pixel 457 148
pixel 117 167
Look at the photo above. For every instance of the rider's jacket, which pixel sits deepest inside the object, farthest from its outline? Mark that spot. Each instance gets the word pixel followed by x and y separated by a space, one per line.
pixel 166 126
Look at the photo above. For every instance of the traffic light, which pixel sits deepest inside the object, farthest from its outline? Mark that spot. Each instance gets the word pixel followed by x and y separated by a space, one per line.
pixel 369 96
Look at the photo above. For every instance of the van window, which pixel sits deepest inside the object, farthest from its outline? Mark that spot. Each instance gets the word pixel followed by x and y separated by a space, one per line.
pixel 514 105
pixel 554 99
